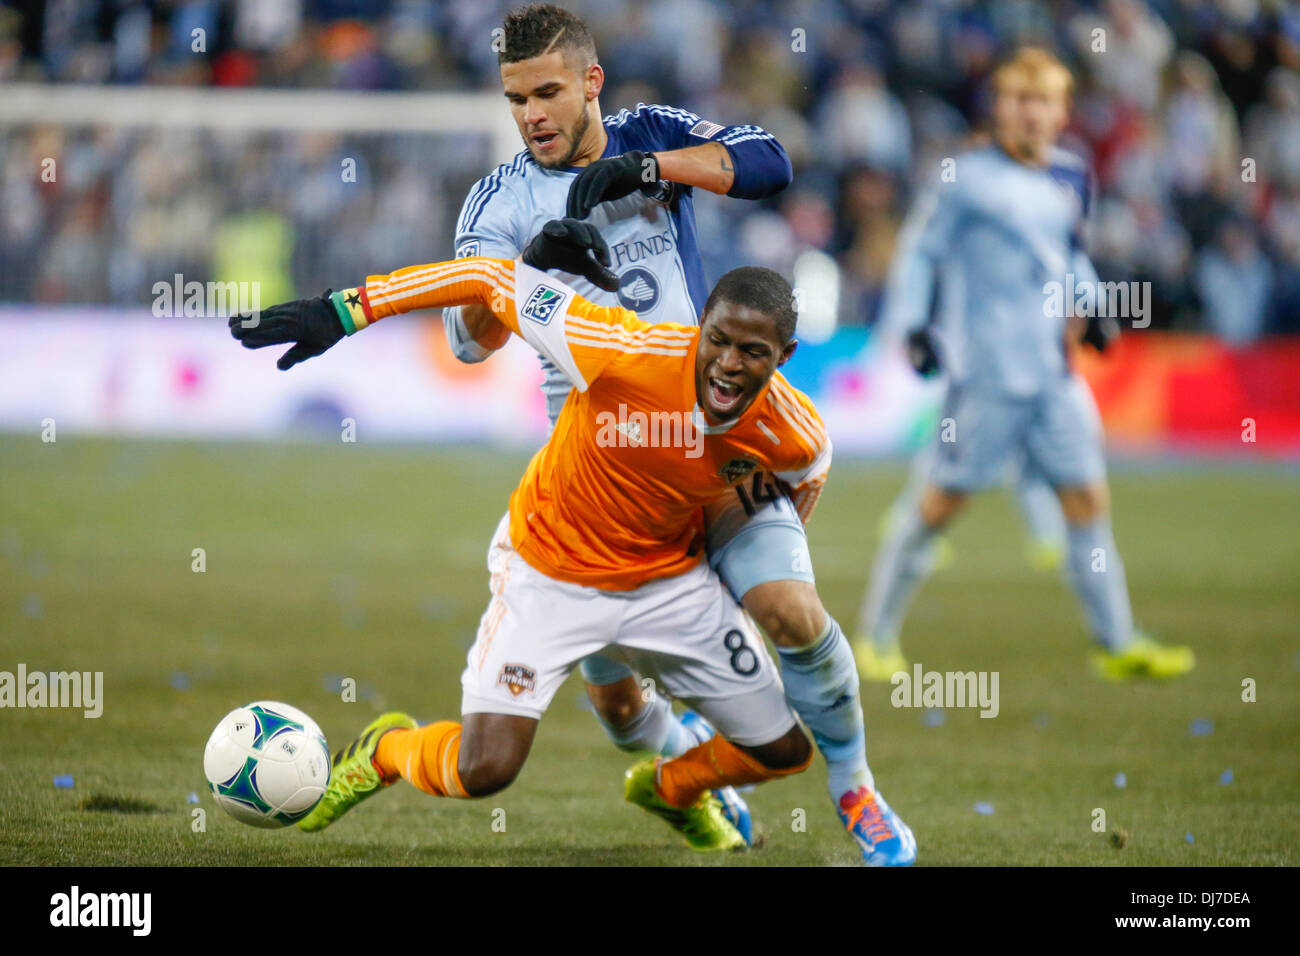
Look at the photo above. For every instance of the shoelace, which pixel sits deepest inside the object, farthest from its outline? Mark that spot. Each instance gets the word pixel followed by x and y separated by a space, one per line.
pixel 865 809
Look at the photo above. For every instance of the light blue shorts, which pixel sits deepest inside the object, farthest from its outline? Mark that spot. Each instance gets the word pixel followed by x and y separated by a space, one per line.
pixel 1057 431
pixel 751 543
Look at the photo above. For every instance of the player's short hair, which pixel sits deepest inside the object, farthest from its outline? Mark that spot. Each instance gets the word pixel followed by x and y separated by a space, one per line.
pixel 762 290
pixel 541 28
pixel 1038 69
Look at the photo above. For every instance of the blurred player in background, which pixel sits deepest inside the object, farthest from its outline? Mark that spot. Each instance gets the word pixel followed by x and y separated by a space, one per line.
pixel 1009 223
pixel 632 175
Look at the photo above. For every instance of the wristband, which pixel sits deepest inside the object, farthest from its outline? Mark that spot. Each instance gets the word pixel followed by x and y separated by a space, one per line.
pixel 353 309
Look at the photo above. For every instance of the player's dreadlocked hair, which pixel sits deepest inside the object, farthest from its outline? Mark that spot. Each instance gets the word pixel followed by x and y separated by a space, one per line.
pixel 762 290
pixel 543 28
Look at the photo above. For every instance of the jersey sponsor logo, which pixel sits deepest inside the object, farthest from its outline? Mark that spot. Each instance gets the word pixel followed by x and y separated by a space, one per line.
pixel 638 250
pixel 737 469
pixel 638 290
pixel 542 304
pixel 467 250
pixel 518 678
pixel 706 130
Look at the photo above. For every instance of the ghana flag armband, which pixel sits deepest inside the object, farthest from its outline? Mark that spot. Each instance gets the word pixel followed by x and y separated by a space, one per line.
pixel 353 308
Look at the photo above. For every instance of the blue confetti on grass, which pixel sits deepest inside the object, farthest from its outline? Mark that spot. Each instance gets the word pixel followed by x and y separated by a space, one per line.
pixel 180 680
pixel 984 808
pixel 64 781
pixel 1121 780
pixel 192 798
pixel 1202 727
pixel 933 717
pixel 1190 838
pixel 332 683
pixel 1225 778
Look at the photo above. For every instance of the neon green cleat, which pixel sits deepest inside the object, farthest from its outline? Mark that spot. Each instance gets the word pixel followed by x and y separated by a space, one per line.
pixel 702 823
pixel 1045 554
pixel 878 664
pixel 353 775
pixel 1144 658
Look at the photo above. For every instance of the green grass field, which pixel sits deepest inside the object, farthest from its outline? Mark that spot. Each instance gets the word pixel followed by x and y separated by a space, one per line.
pixel 331 561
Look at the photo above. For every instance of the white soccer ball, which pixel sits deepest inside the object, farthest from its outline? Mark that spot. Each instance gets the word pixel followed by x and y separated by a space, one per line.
pixel 267 764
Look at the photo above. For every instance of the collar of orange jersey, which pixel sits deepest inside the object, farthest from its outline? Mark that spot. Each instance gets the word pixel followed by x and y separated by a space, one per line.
pixel 701 420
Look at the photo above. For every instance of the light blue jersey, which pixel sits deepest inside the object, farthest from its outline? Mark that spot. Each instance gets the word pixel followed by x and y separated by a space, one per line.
pixel 655 252
pixel 652 240
pixel 992 239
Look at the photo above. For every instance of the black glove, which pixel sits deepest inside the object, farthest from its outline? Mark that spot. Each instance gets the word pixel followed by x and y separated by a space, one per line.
pixel 613 178
pixel 311 324
pixel 1100 332
pixel 921 353
pixel 573 247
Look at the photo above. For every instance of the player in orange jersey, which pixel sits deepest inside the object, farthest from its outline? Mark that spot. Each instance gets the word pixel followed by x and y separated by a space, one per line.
pixel 602 547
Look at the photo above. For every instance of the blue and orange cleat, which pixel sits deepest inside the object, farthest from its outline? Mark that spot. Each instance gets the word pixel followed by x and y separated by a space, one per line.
pixel 734 807
pixel 885 840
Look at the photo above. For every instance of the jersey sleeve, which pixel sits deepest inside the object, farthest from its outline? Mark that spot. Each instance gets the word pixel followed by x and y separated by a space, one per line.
pixel 912 287
pixel 576 335
pixel 761 165
pixel 487 226
pixel 805 472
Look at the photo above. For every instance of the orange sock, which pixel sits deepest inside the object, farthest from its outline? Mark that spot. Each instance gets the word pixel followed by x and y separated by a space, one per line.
pixel 710 765
pixel 425 757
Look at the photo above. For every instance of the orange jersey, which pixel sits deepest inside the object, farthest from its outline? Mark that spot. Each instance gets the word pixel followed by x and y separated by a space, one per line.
pixel 614 498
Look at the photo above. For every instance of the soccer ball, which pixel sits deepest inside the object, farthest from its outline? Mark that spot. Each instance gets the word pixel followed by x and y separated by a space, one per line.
pixel 267 764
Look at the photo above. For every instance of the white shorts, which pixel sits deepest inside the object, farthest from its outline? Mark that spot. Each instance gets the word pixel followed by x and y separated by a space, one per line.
pixel 686 633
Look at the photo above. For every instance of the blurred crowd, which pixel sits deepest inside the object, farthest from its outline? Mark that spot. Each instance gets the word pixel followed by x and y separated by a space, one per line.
pixel 1188 110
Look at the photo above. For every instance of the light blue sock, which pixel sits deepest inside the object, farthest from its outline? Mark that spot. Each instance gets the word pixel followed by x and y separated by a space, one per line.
pixel 1041 508
pixel 1097 574
pixel 821 684
pixel 679 739
pixel 656 728
pixel 905 559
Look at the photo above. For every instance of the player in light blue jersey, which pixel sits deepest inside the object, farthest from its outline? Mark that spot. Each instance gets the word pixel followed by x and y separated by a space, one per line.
pixel 632 175
pixel 1004 231
pixel 904 300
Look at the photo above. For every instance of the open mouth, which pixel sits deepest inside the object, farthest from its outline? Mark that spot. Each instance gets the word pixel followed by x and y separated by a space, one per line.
pixel 724 396
pixel 545 139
